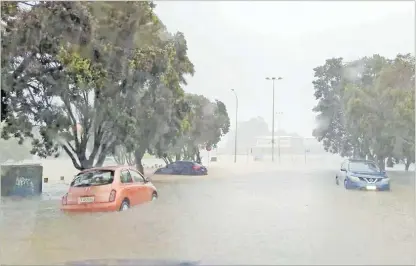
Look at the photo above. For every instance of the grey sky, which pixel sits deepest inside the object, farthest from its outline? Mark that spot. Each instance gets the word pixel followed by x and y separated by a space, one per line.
pixel 235 45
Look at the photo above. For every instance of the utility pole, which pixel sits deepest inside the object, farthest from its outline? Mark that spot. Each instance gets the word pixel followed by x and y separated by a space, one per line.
pixel 273 79
pixel 236 125
pixel 279 114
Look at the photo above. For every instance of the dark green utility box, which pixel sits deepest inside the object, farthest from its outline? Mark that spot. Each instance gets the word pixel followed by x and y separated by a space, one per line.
pixel 21 180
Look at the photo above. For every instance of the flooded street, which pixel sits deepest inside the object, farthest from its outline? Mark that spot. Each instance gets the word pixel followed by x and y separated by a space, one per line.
pixel 277 107
pixel 274 217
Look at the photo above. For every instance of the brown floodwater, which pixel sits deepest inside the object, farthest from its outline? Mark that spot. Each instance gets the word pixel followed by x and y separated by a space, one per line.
pixel 273 217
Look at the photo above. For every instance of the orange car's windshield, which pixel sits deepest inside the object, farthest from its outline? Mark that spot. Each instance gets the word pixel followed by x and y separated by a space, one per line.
pixel 93 178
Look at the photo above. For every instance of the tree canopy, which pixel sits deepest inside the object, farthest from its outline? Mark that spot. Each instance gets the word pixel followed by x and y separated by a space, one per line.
pixel 366 108
pixel 111 68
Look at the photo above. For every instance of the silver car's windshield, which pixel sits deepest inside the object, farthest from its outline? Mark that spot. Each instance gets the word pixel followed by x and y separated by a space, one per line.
pixel 363 167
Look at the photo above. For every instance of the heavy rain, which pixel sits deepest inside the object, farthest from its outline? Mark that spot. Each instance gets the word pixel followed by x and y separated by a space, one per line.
pixel 260 133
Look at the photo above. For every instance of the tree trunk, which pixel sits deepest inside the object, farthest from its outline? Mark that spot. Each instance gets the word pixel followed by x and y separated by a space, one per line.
pixel 165 160
pixel 84 162
pixel 185 154
pixel 120 155
pixel 120 159
pixel 129 159
pixel 178 157
pixel 101 159
pixel 356 152
pixel 73 159
pixel 381 162
pixel 138 156
pixel 390 162
pixel 370 156
pixel 198 157
pixel 407 165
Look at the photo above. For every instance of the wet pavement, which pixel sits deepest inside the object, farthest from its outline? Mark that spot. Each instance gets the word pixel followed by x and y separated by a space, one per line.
pixel 284 216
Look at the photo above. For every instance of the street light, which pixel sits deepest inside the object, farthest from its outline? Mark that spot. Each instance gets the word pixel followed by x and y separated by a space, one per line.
pixel 273 79
pixel 279 114
pixel 236 112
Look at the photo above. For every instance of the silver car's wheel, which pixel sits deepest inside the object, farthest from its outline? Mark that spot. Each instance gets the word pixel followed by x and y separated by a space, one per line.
pixel 124 206
pixel 346 186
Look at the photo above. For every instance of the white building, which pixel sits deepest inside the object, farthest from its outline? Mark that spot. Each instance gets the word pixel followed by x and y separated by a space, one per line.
pixel 288 145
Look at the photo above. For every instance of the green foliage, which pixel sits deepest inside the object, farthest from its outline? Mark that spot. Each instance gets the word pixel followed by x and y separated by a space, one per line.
pixel 111 68
pixel 366 107
pixel 329 86
pixel 204 123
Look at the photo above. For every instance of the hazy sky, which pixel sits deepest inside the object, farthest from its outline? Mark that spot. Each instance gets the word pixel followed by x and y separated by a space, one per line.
pixel 235 45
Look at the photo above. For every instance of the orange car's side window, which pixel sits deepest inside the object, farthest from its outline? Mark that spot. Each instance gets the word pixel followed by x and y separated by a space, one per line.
pixel 125 177
pixel 137 176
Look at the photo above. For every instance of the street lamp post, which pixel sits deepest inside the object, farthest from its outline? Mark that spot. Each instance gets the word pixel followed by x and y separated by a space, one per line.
pixel 236 113
pixel 273 79
pixel 279 114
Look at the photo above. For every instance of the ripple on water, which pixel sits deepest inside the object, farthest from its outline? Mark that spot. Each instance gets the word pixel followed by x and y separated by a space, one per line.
pixel 275 219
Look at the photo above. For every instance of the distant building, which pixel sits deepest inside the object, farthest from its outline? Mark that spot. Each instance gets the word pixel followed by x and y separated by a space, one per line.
pixel 288 145
pixel 313 145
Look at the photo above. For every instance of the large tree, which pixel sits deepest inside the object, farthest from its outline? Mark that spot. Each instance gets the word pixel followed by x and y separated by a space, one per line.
pixel 376 100
pixel 101 65
pixel 204 125
pixel 378 107
pixel 156 108
pixel 329 90
pixel 32 75
pixel 401 75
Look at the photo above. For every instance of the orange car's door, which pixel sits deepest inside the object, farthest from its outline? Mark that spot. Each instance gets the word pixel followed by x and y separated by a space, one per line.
pixel 127 186
pixel 140 189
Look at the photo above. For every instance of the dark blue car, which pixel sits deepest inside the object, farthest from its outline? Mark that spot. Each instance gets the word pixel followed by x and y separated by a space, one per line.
pixel 362 174
pixel 182 168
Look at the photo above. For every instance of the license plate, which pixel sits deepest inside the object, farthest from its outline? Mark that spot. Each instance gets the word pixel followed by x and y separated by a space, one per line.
pixel 371 187
pixel 86 199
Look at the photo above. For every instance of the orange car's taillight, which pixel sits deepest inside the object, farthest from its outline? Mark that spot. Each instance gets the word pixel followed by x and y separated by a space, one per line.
pixel 112 196
pixel 65 199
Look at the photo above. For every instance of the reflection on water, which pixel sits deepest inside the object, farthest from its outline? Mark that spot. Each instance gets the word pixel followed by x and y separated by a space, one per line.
pixel 275 218
pixel 38 232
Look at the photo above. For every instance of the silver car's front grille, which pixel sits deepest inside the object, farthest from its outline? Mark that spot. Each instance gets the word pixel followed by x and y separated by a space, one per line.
pixel 371 180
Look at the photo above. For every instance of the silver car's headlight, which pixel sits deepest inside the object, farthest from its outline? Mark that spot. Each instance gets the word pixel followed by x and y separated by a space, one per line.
pixel 354 178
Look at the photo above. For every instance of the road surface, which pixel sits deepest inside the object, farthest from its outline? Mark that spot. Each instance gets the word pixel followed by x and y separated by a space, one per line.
pixel 268 216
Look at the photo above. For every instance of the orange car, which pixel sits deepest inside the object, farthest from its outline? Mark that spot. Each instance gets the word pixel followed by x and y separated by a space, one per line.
pixel 108 189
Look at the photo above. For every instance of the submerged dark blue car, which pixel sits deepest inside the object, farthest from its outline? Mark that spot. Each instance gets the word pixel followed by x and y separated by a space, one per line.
pixel 182 168
pixel 362 174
